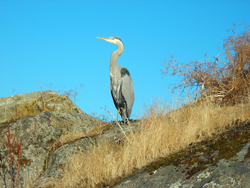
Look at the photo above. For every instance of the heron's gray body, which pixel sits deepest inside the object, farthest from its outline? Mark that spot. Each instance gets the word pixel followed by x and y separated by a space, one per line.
pixel 121 84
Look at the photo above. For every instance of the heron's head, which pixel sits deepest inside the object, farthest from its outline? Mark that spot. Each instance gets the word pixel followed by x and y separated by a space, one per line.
pixel 114 40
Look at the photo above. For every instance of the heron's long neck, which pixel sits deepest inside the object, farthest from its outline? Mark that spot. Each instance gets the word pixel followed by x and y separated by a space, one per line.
pixel 114 57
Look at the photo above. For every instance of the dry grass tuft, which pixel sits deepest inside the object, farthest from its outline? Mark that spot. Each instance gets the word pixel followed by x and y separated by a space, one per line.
pixel 157 137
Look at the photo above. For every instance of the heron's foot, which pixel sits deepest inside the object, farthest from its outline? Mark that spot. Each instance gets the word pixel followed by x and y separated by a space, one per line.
pixel 125 121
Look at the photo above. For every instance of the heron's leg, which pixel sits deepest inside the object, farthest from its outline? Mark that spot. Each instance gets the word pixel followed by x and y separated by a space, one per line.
pixel 125 113
pixel 125 118
pixel 118 112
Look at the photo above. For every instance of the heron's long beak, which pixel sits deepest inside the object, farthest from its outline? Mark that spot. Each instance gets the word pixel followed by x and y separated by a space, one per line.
pixel 103 38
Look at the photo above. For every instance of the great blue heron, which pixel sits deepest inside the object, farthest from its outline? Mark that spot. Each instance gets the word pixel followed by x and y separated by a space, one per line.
pixel 121 84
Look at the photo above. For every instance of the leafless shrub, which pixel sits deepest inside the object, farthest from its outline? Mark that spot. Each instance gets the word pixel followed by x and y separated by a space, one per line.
pixel 13 146
pixel 226 81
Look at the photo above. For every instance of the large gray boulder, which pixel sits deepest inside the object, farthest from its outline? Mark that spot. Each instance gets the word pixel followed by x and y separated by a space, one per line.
pixel 39 120
pixel 49 135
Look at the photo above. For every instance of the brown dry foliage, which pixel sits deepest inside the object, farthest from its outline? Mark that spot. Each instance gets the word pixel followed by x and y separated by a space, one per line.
pixel 227 82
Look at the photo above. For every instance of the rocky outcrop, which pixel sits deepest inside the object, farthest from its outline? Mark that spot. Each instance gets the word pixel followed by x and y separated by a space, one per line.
pixel 41 128
pixel 222 162
pixel 39 119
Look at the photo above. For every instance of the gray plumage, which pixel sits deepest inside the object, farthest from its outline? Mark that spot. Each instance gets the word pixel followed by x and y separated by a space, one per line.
pixel 121 84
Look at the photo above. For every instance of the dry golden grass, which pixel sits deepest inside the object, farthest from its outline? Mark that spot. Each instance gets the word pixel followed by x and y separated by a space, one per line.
pixel 158 136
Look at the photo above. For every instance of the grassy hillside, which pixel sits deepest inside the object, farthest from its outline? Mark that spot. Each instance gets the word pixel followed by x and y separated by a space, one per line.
pixel 159 136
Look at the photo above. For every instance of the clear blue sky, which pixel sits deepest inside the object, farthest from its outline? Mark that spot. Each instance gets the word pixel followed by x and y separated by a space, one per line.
pixel 55 42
